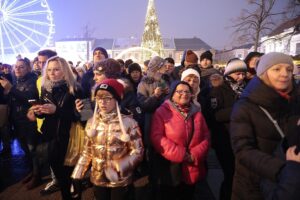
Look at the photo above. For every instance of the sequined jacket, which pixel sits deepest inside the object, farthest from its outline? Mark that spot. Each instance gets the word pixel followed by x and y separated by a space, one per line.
pixel 113 155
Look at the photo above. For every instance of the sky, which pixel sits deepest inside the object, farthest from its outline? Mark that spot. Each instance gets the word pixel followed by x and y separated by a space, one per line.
pixel 208 20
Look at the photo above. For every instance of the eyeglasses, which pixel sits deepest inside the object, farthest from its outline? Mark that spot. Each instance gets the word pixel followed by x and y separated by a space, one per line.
pixel 105 99
pixel 181 92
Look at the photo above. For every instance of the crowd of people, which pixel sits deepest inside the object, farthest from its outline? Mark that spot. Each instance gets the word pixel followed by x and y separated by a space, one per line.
pixel 144 132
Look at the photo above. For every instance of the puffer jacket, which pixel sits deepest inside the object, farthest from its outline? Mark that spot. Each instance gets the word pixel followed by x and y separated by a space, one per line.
pixel 110 151
pixel 170 133
pixel 254 137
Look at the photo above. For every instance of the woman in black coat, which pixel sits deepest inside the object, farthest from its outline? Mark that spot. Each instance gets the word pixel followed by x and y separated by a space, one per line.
pixel 222 99
pixel 254 136
pixel 58 110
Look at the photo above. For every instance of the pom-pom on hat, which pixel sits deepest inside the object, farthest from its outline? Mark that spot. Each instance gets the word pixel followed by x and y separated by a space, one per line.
pixel 109 67
pixel 235 65
pixel 191 57
pixel 113 87
pixel 270 59
pixel 207 54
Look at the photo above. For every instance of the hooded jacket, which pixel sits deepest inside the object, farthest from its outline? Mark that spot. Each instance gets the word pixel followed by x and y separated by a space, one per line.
pixel 170 133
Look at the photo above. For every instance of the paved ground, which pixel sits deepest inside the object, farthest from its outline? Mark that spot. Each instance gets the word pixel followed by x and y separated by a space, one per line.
pixel 15 167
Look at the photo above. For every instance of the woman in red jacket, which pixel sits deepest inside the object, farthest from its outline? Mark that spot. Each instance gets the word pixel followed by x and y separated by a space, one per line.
pixel 180 138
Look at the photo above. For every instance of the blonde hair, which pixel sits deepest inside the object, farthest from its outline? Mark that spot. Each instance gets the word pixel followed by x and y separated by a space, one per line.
pixel 265 78
pixel 67 71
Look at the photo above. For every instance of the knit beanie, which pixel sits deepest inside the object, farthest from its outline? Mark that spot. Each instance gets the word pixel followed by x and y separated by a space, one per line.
pixel 207 54
pixel 102 51
pixel 235 65
pixel 270 59
pixel 134 67
pixel 155 63
pixel 188 72
pixel 191 57
pixel 109 67
pixel 113 87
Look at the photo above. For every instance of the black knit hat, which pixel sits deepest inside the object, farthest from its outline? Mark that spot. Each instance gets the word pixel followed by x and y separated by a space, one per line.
pixel 207 54
pixel 134 67
pixel 102 50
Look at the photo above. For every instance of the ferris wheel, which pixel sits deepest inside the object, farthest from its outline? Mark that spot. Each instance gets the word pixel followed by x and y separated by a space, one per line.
pixel 26 26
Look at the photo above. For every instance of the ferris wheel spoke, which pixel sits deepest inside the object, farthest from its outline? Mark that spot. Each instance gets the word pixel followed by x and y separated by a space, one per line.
pixel 29 29
pixel 9 39
pixel 19 41
pixel 3 6
pixel 26 36
pixel 1 43
pixel 10 5
pixel 23 6
pixel 23 14
pixel 31 21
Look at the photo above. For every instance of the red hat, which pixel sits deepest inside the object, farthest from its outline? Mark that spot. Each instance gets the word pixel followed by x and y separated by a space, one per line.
pixel 191 57
pixel 113 87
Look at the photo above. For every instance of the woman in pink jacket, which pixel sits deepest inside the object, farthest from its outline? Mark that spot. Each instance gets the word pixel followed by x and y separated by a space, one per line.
pixel 180 138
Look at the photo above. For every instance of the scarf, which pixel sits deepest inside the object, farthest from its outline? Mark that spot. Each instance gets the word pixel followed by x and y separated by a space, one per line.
pixel 49 85
pixel 238 88
pixel 183 109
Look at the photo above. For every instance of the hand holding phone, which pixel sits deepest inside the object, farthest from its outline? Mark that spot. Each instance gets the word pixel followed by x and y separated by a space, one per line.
pixel 33 102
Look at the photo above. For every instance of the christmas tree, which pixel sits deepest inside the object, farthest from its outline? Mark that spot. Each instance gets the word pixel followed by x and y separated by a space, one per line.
pixel 151 37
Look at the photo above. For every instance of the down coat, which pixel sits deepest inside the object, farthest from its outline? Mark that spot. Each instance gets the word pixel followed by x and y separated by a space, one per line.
pixel 170 133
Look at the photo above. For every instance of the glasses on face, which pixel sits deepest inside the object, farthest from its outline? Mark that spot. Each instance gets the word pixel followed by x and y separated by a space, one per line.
pixel 104 99
pixel 181 92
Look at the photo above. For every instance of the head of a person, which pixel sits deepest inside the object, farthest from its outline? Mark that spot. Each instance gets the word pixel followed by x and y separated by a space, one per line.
pixel 236 69
pixel 190 58
pixel 206 59
pixel 107 68
pixel 156 67
pixel 276 70
pixel 181 93
pixel 107 94
pixel 99 54
pixel 192 77
pixel 216 80
pixel 127 63
pixel 57 69
pixel 43 56
pixel 135 72
pixel 22 67
pixel 6 68
pixel 169 65
pixel 252 59
pixel 80 70
pixel 122 64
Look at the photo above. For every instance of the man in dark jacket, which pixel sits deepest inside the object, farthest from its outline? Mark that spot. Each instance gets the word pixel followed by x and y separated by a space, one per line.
pixel 87 81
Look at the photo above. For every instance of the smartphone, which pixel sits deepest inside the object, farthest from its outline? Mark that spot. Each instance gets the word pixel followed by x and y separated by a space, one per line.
pixel 33 102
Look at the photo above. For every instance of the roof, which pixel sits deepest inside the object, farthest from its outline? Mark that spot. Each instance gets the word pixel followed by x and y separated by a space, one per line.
pixel 190 43
pixel 168 43
pixel 286 25
pixel 124 43
pixel 244 46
